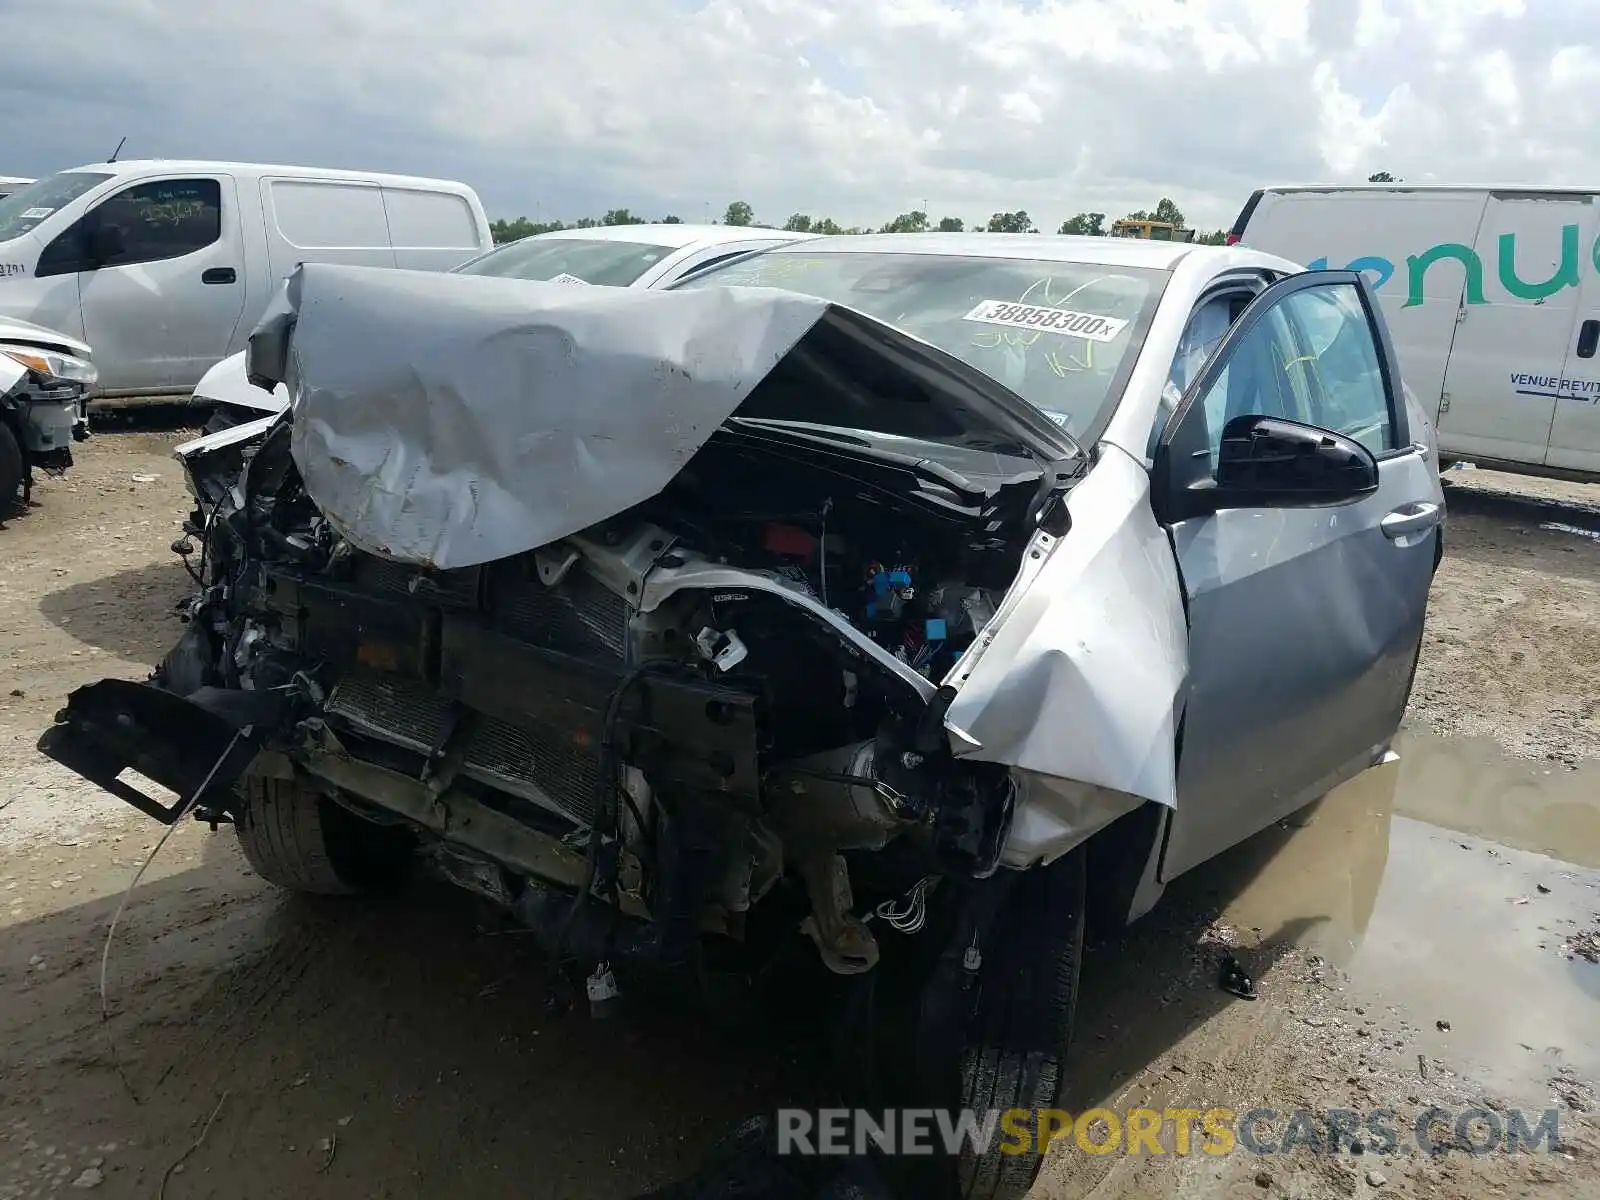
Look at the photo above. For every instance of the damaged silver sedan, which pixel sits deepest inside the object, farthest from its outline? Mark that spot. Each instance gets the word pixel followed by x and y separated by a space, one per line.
pixel 901 599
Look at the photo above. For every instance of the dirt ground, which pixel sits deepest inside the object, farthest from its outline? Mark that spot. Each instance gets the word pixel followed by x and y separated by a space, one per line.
pixel 1424 936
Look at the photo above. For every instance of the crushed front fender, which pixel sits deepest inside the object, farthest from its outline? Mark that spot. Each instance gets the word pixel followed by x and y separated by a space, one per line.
pixel 1080 676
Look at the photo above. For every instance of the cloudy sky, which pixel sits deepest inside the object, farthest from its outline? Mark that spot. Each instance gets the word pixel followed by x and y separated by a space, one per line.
pixel 853 109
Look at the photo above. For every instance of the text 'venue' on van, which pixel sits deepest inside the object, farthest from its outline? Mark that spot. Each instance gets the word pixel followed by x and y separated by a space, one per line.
pixel 1493 298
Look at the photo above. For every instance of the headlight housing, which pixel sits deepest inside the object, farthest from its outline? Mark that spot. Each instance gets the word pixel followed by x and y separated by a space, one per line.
pixel 52 368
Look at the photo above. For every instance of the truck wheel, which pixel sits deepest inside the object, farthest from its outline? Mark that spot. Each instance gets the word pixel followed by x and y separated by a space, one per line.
pixel 300 840
pixel 1017 1040
pixel 12 471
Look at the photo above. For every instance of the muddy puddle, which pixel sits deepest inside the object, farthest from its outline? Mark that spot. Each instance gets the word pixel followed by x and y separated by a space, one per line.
pixel 1458 890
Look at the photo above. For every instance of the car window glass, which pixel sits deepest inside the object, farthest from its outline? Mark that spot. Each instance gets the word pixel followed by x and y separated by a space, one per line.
pixel 1310 358
pixel 1200 338
pixel 22 210
pixel 600 261
pixel 163 219
pixel 719 260
pixel 1207 326
pixel 1341 362
pixel 1256 380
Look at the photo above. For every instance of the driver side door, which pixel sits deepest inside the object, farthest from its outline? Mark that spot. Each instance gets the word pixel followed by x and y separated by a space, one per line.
pixel 1304 621
pixel 161 301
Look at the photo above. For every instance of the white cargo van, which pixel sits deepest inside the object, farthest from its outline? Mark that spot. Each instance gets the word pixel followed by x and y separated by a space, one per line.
pixel 164 267
pixel 1492 295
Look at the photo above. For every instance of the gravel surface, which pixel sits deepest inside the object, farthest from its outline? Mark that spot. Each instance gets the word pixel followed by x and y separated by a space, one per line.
pixel 1405 955
pixel 1513 647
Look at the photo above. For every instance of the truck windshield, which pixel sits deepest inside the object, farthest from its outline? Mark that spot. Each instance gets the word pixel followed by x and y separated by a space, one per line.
pixel 21 211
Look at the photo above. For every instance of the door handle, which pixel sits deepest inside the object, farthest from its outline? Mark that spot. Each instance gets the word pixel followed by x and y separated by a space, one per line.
pixel 1588 338
pixel 1413 518
pixel 218 275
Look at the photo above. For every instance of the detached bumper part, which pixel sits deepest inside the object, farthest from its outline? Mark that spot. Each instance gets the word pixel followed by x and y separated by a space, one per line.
pixel 117 725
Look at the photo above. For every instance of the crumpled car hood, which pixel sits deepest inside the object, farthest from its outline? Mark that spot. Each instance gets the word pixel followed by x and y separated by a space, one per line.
pixel 451 420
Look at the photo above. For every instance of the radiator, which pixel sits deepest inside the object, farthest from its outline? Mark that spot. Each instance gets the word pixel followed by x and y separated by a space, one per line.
pixel 533 762
pixel 580 616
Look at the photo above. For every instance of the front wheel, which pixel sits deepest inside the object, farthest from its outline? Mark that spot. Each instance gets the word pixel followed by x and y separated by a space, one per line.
pixel 974 1014
pixel 300 840
pixel 12 471
pixel 1017 1038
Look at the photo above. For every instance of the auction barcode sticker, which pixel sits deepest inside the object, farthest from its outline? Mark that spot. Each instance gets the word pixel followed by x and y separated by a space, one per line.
pixel 1047 320
pixel 565 278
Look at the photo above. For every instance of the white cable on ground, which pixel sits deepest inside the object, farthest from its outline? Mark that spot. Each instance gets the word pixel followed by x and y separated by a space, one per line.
pixel 111 930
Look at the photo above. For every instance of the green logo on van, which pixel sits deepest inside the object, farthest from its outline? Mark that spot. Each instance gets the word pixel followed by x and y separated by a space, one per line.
pixel 1417 266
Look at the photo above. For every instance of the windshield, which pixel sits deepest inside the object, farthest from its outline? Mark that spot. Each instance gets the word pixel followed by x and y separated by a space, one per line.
pixel 21 211
pixel 569 260
pixel 1053 332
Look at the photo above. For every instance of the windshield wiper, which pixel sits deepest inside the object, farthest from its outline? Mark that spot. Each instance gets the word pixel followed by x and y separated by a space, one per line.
pixel 928 469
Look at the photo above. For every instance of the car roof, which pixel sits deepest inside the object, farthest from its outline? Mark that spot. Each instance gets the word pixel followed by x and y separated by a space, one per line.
pixel 1513 189
pixel 140 166
pixel 676 234
pixel 1049 247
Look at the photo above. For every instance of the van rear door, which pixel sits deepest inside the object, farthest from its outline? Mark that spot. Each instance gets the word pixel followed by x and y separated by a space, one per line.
pixel 1517 325
pixel 1575 430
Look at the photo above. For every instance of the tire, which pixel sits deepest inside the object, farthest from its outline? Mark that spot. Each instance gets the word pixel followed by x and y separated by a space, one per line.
pixel 300 840
pixel 1018 1039
pixel 12 471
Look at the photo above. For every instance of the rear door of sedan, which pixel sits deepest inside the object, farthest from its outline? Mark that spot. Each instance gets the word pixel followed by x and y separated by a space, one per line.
pixel 1304 622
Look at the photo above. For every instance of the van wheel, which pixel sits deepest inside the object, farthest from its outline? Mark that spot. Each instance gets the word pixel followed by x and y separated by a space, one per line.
pixel 12 471
pixel 300 840
pixel 1017 1040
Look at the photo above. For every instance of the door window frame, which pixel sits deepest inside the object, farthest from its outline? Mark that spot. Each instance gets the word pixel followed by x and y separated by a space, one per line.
pixel 74 255
pixel 1247 285
pixel 1166 470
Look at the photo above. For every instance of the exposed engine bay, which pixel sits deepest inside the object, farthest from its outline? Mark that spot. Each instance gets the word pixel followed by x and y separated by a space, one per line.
pixel 726 693
pixel 727 635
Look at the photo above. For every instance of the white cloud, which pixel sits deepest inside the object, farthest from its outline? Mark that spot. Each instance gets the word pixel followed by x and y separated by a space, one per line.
pixel 826 106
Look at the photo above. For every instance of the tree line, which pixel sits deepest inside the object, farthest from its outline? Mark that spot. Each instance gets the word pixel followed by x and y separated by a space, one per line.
pixel 739 212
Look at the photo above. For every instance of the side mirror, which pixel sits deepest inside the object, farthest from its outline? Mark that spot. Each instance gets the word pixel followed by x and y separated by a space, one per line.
pixel 1262 462
pixel 106 242
pixel 1270 462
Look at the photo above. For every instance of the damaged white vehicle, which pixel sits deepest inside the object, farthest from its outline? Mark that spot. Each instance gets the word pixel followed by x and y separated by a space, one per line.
pixel 45 377
pixel 900 598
